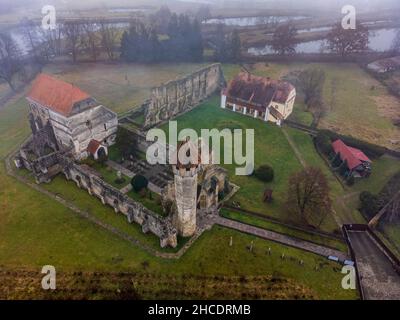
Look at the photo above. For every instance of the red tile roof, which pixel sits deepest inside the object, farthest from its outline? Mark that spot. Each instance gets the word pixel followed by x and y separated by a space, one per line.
pixel 258 90
pixel 353 156
pixel 56 94
pixel 93 146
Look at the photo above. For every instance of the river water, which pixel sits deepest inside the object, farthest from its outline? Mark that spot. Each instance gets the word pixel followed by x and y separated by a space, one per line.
pixel 253 21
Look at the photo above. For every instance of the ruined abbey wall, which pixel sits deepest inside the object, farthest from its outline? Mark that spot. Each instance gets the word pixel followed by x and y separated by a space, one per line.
pixel 134 211
pixel 182 95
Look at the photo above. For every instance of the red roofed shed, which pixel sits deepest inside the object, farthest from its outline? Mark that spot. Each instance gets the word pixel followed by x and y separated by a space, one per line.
pixel 355 158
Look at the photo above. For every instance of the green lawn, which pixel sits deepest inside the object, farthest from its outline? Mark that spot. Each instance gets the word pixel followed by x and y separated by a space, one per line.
pixel 114 153
pixel 153 203
pixel 110 176
pixel 271 147
pixel 391 233
pixel 382 170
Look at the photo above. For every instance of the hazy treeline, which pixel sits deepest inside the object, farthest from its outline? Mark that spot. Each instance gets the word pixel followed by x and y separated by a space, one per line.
pixel 74 38
pixel 172 38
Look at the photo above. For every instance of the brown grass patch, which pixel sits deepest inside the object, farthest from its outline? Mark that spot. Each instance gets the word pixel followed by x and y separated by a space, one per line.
pixel 26 284
pixel 388 106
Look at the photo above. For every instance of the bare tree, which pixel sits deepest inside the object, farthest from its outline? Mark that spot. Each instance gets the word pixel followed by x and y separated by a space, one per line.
pixel 49 44
pixel 10 59
pixel 311 82
pixel 348 41
pixel 108 38
pixel 91 40
pixel 29 32
pixel 308 196
pixel 284 39
pixel 73 32
pixel 40 46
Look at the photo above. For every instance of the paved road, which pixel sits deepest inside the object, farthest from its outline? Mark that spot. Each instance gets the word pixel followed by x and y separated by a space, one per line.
pixel 281 238
pixel 378 278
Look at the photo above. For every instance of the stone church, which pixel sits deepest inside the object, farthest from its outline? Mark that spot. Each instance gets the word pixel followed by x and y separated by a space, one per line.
pixel 74 118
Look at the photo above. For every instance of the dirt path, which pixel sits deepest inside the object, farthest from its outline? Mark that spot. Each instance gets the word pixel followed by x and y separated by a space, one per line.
pixel 299 156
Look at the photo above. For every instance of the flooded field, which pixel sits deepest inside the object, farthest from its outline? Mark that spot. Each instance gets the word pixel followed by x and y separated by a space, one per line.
pixel 379 40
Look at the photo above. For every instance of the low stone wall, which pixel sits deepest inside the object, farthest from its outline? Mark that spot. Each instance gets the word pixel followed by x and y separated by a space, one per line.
pixel 179 96
pixel 134 211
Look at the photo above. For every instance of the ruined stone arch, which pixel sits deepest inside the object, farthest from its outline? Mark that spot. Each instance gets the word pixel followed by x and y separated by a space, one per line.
pixel 102 153
pixel 116 205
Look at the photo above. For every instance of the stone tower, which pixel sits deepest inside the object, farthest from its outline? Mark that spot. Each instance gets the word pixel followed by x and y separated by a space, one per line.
pixel 185 178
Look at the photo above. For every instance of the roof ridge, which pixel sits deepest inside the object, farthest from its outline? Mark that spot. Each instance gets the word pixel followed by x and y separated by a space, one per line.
pixel 56 94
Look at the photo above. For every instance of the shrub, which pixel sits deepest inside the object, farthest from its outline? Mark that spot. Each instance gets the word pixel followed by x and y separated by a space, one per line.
pixel 139 183
pixel 324 143
pixel 265 173
pixel 369 203
pixel 350 180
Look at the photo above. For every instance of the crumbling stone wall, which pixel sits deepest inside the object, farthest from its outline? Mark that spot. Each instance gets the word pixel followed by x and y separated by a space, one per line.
pixel 135 212
pixel 46 167
pixel 182 95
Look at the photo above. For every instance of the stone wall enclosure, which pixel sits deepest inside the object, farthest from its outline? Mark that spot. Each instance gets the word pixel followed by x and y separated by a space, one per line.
pixel 182 95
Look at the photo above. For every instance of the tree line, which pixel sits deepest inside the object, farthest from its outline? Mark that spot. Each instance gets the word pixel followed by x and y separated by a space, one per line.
pixel 342 42
pixel 180 40
pixel 227 47
pixel 72 37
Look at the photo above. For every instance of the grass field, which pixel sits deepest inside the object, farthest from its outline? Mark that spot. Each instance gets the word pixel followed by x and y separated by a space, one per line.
pixel 35 230
pixel 382 170
pixel 271 147
pixel 120 87
pixel 358 105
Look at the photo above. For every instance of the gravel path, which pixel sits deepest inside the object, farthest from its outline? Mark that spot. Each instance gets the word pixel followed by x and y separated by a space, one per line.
pixel 281 238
